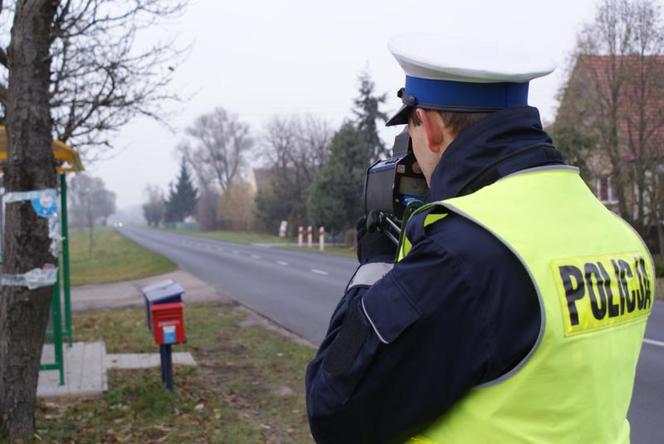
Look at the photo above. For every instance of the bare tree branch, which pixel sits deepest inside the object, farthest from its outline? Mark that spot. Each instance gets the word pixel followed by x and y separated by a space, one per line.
pixel 101 78
pixel 616 94
pixel 220 143
pixel 295 149
pixel 100 82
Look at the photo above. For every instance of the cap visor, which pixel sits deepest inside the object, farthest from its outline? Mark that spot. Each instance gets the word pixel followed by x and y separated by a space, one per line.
pixel 400 118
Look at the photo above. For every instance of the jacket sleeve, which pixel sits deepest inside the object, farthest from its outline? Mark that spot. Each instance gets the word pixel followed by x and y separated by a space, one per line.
pixel 398 353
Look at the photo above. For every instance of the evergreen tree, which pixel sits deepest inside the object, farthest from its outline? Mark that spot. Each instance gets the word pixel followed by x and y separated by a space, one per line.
pixel 367 111
pixel 182 197
pixel 335 200
pixel 271 210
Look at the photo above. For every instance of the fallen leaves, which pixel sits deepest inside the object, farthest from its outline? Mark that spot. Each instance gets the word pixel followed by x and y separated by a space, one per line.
pixel 249 389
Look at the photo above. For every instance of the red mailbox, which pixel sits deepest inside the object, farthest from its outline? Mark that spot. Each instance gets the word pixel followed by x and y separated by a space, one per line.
pixel 168 323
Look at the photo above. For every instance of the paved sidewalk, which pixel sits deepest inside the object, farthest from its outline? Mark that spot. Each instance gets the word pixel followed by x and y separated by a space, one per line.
pixel 85 371
pixel 86 363
pixel 86 366
pixel 128 293
pixel 132 361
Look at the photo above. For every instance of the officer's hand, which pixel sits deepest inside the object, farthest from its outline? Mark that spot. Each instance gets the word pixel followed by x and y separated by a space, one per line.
pixel 372 244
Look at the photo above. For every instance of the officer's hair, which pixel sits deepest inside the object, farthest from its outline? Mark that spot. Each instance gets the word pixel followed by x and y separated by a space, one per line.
pixel 455 121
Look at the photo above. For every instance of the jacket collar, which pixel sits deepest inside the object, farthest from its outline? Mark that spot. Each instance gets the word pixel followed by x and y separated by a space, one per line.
pixel 504 142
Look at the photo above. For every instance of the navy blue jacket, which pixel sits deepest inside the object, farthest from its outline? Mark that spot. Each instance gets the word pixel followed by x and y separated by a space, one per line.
pixel 458 311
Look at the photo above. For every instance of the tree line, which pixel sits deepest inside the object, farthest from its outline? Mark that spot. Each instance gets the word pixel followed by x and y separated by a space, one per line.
pixel 611 117
pixel 307 172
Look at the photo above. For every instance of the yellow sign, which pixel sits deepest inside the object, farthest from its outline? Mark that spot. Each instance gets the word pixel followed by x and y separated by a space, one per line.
pixel 67 158
pixel 603 291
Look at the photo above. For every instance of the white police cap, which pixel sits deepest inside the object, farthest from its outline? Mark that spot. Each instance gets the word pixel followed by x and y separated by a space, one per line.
pixel 452 74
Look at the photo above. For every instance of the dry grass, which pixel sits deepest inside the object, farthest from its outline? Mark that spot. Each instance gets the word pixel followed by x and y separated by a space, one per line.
pixel 248 387
pixel 113 258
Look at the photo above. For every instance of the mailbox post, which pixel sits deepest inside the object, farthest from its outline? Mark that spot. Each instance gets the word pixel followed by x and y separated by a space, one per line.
pixel 165 318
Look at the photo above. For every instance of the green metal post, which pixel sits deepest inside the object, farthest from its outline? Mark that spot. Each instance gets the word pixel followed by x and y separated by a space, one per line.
pixel 65 259
pixel 57 331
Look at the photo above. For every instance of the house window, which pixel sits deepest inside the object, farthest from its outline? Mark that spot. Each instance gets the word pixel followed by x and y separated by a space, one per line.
pixel 604 190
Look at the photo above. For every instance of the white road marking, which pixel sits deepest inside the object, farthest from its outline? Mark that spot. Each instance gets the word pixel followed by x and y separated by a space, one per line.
pixel 236 252
pixel 653 342
pixel 282 263
pixel 324 273
pixel 255 256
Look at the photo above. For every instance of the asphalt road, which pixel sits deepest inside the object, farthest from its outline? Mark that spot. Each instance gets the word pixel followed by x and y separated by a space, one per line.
pixel 646 413
pixel 299 290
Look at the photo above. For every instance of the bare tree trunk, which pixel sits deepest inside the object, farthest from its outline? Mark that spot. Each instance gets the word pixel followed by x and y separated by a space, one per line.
pixel 660 239
pixel 91 239
pixel 30 166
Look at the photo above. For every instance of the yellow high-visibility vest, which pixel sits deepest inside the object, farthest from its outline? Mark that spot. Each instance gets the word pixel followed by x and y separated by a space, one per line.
pixel 594 278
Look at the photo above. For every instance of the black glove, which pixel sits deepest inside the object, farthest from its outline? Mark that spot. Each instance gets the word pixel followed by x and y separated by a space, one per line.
pixel 371 242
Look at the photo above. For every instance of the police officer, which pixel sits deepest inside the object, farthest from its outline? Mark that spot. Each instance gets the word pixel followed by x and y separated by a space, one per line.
pixel 517 304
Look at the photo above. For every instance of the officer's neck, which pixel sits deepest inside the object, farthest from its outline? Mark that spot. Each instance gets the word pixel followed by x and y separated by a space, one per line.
pixel 497 136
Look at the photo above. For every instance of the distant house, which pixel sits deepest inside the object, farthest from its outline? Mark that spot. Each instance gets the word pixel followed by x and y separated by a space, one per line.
pixel 633 89
pixel 260 179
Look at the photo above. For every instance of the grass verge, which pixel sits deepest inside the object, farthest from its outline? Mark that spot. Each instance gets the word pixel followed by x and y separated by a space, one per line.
pixel 248 386
pixel 112 258
pixel 242 237
pixel 238 237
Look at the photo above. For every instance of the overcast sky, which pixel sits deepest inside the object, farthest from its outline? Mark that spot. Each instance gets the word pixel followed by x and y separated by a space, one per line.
pixel 261 58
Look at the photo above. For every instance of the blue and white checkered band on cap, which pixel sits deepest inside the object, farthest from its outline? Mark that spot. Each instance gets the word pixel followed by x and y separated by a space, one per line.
pixel 456 75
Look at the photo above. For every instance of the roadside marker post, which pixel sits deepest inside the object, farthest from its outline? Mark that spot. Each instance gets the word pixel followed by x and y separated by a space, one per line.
pixel 321 238
pixel 300 236
pixel 310 236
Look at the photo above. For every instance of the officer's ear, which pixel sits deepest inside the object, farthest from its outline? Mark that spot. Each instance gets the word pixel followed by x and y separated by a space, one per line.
pixel 437 135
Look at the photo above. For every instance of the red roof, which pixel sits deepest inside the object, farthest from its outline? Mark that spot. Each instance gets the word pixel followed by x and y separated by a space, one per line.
pixel 639 98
